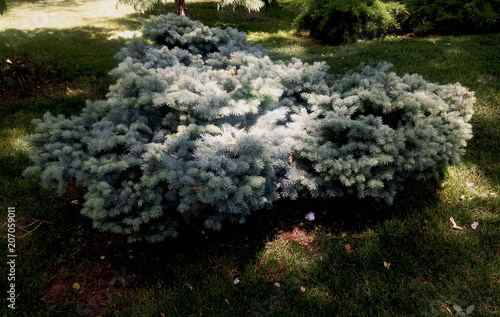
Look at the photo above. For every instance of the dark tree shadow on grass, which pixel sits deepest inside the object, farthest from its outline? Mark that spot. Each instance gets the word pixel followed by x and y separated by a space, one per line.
pixel 484 148
pixel 241 242
pixel 53 63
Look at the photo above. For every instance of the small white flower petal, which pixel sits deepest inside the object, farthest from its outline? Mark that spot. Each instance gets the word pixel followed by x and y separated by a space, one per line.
pixel 310 216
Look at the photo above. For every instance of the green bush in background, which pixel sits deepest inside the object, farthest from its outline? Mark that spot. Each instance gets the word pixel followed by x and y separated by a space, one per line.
pixel 344 21
pixel 452 17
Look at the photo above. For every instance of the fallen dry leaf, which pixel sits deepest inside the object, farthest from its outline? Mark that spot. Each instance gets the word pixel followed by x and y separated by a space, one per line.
pixel 453 221
pixel 387 265
pixel 348 247
pixel 455 224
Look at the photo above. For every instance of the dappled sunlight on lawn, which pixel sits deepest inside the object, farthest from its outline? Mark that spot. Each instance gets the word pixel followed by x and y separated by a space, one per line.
pixel 124 35
pixel 288 261
pixel 13 142
pixel 63 14
pixel 291 253
pixel 468 186
pixel 281 35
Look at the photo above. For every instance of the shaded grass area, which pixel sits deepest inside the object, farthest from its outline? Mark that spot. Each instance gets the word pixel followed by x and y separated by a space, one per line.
pixel 357 258
pixel 332 266
pixel 50 62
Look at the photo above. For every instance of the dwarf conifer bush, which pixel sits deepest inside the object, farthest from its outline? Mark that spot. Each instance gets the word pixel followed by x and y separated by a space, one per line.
pixel 344 21
pixel 201 122
pixel 452 16
pixel 374 130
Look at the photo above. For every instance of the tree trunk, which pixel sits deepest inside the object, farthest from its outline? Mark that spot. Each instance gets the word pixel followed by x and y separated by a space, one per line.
pixel 268 4
pixel 3 6
pixel 180 7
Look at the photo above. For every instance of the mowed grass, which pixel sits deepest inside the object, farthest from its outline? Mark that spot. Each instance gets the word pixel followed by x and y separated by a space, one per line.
pixel 357 258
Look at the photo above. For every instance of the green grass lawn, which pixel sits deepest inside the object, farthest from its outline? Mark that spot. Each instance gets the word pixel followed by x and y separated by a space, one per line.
pixel 357 258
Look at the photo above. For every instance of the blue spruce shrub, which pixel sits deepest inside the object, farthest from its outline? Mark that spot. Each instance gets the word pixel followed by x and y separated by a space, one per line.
pixel 374 129
pixel 201 122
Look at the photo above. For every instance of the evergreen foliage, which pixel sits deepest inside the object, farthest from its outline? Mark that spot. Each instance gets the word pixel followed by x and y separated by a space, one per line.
pixel 201 122
pixel 453 17
pixel 344 21
pixel 249 5
pixel 143 5
pixel 374 130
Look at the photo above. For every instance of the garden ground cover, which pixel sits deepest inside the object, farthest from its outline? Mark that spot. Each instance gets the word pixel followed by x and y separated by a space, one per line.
pixel 356 258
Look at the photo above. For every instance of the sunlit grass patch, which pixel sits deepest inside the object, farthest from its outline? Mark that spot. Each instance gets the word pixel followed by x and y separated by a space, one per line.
pixel 64 14
pixel 281 36
pixel 124 35
pixel 13 141
pixel 291 253
pixel 466 183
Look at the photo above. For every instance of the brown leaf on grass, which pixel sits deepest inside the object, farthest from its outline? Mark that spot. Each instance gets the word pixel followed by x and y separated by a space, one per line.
pixel 348 247
pixel 455 224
